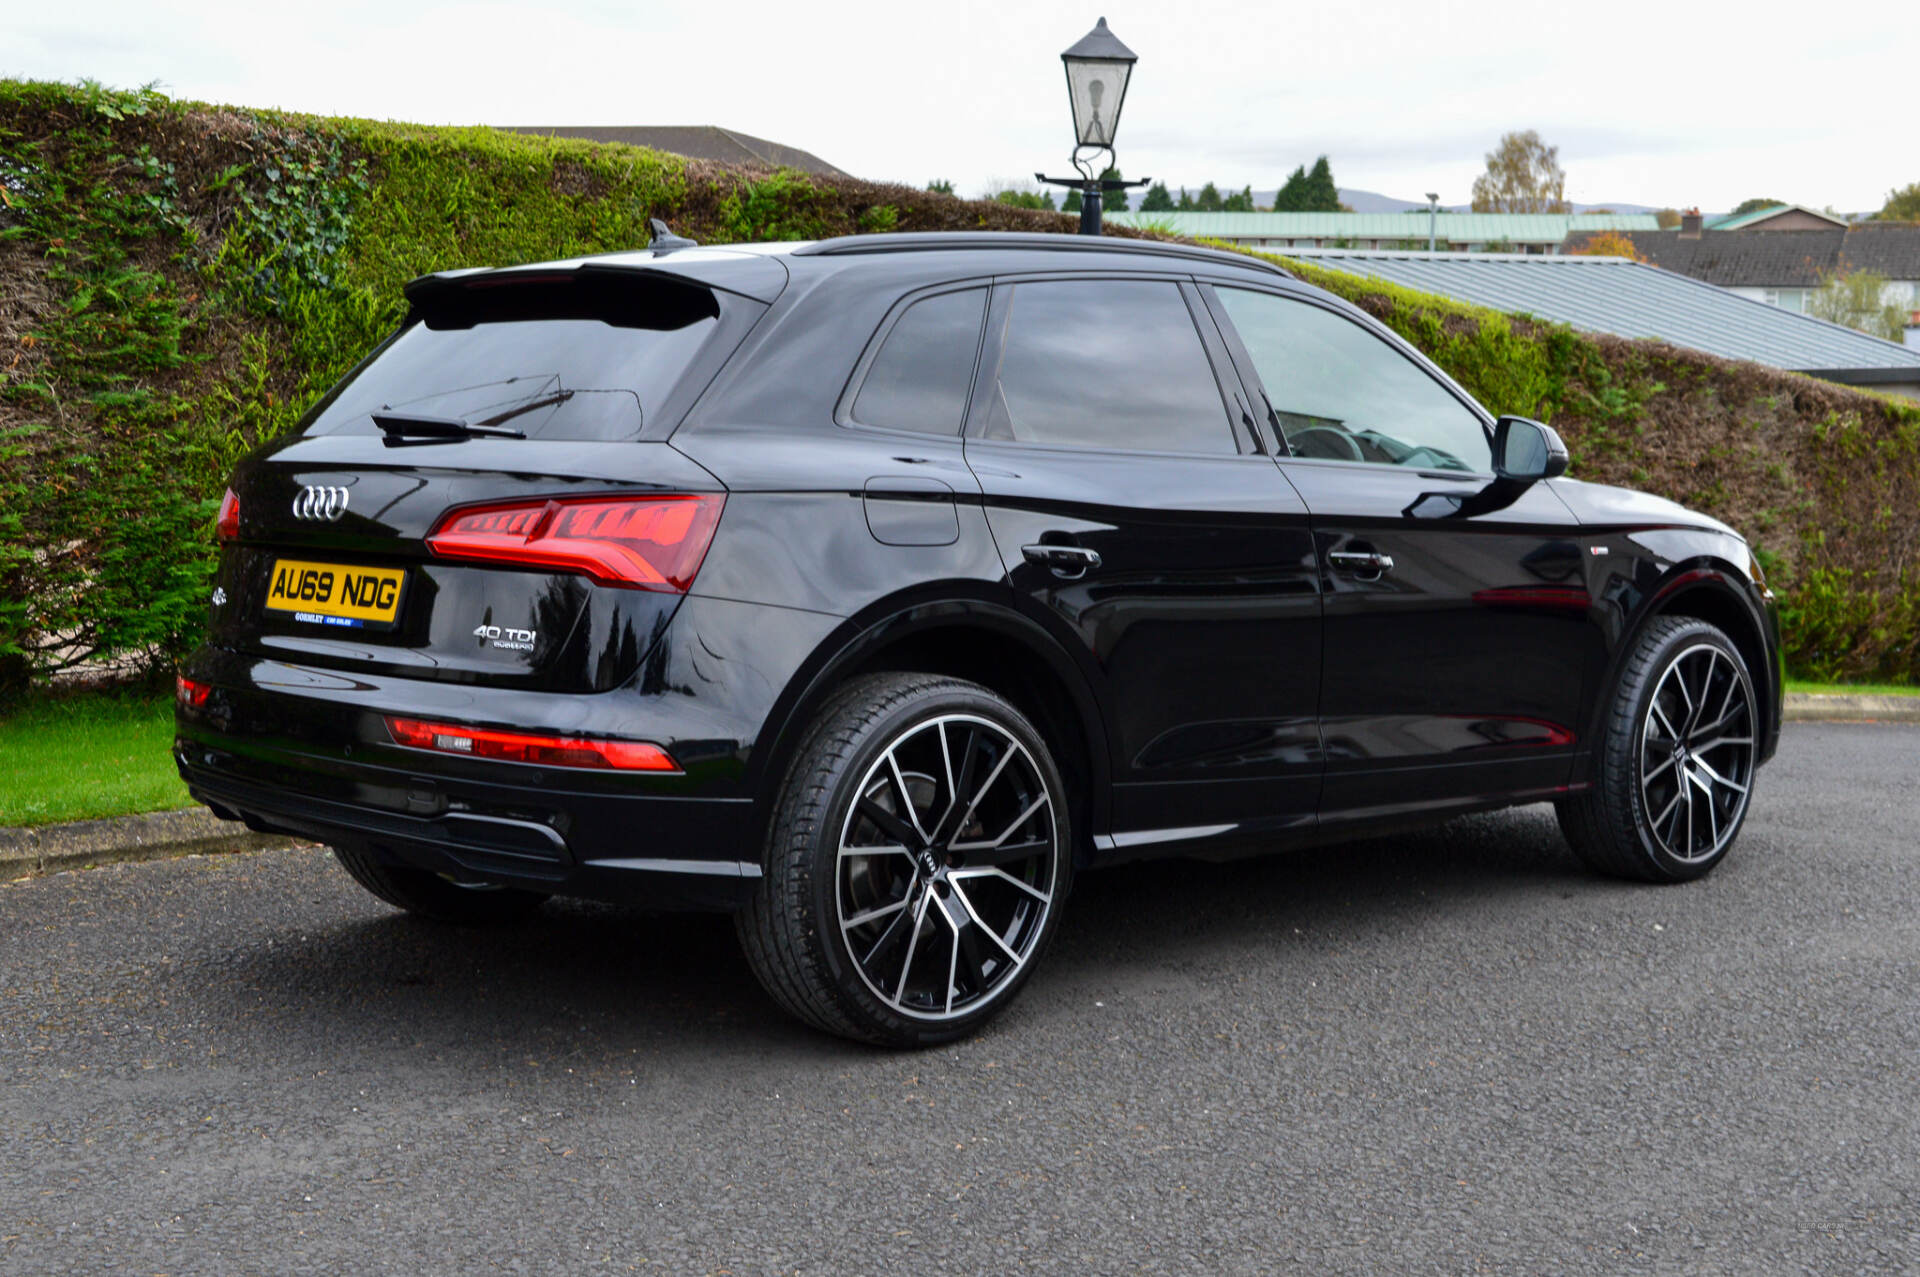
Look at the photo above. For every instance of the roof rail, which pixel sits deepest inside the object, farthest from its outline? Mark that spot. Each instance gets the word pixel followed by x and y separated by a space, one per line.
pixel 943 241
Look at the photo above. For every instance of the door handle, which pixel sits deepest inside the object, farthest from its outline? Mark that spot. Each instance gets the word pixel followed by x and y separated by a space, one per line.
pixel 1361 561
pixel 1068 562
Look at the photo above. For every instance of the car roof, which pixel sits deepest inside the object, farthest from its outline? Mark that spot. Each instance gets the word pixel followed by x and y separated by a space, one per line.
pixel 1028 243
pixel 760 270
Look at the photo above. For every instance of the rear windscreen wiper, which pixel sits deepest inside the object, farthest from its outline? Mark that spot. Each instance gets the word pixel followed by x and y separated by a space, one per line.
pixel 420 428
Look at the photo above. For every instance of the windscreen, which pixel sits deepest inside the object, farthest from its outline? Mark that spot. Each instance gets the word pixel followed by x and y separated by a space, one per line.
pixel 552 360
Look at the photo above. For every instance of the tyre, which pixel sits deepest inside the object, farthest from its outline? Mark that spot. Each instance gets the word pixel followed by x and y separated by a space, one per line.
pixel 918 855
pixel 1676 759
pixel 430 896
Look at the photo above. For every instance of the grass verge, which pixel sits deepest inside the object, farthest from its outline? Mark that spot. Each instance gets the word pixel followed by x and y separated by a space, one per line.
pixel 84 757
pixel 1851 689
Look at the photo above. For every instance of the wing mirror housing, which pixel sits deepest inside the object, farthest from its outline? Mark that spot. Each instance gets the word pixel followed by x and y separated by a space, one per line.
pixel 1527 450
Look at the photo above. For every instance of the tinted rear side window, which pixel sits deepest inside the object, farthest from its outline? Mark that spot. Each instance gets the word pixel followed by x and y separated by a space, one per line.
pixel 920 378
pixel 1107 363
pixel 558 363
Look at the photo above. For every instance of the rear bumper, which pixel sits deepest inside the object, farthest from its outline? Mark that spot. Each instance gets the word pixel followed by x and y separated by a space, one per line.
pixel 306 752
pixel 531 855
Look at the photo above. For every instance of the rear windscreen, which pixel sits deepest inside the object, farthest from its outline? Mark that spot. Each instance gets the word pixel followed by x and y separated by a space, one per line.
pixel 550 360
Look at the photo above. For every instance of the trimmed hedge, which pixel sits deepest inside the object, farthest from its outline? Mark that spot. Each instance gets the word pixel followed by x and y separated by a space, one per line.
pixel 178 282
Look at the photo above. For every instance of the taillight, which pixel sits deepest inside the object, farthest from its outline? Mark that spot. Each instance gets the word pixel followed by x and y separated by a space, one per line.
pixel 227 526
pixel 642 543
pixel 523 747
pixel 188 694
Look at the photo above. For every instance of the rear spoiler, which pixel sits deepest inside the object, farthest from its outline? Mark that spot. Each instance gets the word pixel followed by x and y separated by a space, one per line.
pixel 616 295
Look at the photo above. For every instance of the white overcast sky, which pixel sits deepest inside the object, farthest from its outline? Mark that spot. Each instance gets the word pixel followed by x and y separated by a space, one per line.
pixel 1674 103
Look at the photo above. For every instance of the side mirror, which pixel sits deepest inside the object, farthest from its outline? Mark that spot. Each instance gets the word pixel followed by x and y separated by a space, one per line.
pixel 1526 450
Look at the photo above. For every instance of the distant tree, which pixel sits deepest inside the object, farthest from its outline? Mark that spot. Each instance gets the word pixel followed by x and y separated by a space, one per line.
pixel 940 186
pixel 1607 244
pixel 1186 200
pixel 1323 196
pixel 1667 218
pixel 1292 195
pixel 1754 206
pixel 1858 300
pixel 1024 199
pixel 1071 204
pixel 1114 201
pixel 1157 199
pixel 1209 200
pixel 1240 201
pixel 1309 192
pixel 1902 205
pixel 1523 176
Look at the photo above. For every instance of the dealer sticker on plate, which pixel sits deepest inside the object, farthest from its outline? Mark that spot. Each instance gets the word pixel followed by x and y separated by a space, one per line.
pixel 336 594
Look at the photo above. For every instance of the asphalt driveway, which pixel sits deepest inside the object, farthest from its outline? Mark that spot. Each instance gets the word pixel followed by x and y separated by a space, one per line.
pixel 1449 1052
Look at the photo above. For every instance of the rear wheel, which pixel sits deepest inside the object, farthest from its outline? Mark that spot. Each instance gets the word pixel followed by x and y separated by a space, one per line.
pixel 917 859
pixel 1676 760
pixel 431 896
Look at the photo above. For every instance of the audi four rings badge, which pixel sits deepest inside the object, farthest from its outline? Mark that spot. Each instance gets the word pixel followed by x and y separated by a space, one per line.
pixel 315 502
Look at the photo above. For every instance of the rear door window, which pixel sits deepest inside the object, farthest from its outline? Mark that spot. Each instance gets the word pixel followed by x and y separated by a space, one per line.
pixel 556 362
pixel 1107 363
pixel 920 378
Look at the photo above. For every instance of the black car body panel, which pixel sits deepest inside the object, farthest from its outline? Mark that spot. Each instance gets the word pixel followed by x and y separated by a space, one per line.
pixel 1190 626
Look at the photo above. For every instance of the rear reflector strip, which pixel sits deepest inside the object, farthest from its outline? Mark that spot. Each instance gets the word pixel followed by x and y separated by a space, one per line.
pixel 653 542
pixel 523 747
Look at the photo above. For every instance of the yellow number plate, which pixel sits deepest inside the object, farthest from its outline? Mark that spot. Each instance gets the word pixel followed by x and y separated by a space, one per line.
pixel 336 594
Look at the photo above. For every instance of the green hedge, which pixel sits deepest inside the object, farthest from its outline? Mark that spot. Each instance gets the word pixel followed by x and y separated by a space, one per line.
pixel 177 283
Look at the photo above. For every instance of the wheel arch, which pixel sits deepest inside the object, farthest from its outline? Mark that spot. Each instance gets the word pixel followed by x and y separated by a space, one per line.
pixel 973 638
pixel 1717 592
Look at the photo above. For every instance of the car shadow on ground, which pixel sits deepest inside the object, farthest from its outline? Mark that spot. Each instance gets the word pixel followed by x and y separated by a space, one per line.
pixel 586 985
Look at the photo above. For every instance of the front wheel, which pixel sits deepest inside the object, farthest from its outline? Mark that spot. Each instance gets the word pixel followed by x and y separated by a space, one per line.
pixel 1676 761
pixel 917 859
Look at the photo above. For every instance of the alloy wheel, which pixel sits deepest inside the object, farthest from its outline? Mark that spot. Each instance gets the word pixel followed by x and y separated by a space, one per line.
pixel 1697 753
pixel 947 867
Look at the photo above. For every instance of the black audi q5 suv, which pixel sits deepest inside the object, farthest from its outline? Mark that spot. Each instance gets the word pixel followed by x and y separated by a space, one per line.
pixel 871 589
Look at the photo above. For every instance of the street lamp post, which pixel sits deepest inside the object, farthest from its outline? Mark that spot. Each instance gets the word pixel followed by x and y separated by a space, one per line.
pixel 1433 218
pixel 1098 68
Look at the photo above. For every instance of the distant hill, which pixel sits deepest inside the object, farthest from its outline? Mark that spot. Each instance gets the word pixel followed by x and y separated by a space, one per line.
pixel 1375 202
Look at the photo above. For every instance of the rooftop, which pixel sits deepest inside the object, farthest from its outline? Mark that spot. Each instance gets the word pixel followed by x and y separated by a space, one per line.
pixel 696 141
pixel 1743 221
pixel 1629 299
pixel 1785 259
pixel 1459 228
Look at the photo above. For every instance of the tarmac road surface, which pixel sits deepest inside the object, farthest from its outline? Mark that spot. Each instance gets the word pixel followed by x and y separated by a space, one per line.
pixel 1443 1053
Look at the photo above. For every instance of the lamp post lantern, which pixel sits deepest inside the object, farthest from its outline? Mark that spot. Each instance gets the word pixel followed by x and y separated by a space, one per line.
pixel 1098 67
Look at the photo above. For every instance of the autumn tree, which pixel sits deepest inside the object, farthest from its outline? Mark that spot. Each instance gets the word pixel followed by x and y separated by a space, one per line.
pixel 1666 218
pixel 1523 176
pixel 1857 299
pixel 1607 244
pixel 1902 205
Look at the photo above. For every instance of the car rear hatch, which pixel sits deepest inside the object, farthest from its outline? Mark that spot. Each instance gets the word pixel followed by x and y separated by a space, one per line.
pixel 489 497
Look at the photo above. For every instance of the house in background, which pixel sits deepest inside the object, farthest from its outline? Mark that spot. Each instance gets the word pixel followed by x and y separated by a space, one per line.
pixel 1777 217
pixel 1545 233
pixel 695 141
pixel 1781 261
pixel 1628 299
